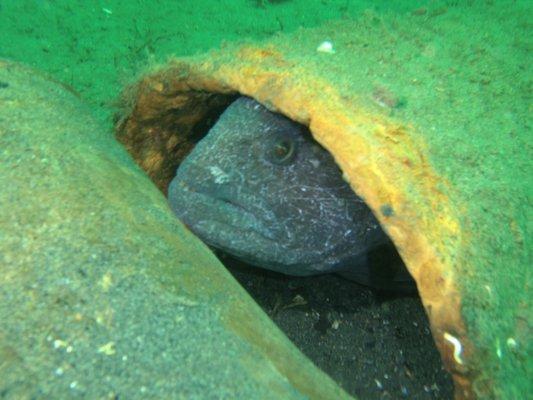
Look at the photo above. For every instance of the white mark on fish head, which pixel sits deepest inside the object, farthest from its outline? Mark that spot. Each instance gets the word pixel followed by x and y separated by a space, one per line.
pixel 219 175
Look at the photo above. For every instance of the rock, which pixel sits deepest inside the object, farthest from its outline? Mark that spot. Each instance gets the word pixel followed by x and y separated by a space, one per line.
pixel 104 294
pixel 447 174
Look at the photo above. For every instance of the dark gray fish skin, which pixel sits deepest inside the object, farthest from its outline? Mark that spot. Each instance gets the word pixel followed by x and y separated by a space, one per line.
pixel 258 187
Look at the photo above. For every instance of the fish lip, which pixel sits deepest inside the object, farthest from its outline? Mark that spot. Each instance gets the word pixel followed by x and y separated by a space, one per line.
pixel 232 204
pixel 208 198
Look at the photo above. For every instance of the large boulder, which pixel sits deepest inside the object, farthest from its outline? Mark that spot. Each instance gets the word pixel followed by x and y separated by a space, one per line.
pixel 432 133
pixel 104 294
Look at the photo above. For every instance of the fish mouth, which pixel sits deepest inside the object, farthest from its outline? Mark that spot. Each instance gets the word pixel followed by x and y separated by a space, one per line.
pixel 206 213
pixel 225 223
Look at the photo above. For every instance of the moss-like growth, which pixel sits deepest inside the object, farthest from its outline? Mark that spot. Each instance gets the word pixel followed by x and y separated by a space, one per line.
pixel 432 133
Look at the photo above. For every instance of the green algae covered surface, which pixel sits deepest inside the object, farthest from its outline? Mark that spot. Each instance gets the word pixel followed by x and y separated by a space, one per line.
pixel 103 293
pixel 99 46
pixel 460 75
pixel 461 79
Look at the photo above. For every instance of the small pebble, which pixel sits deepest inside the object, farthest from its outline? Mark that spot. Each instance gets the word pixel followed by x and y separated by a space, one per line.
pixel 326 47
pixel 59 343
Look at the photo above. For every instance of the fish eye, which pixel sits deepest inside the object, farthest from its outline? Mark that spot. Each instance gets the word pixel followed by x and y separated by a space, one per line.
pixel 281 151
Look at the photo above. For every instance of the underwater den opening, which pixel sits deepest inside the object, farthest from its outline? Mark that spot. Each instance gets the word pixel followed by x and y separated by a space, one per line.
pixel 272 204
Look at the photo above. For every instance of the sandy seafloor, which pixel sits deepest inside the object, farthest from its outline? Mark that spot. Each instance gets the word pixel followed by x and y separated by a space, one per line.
pixel 376 346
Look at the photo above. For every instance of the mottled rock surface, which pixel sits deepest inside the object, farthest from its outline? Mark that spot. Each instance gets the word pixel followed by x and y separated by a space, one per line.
pixel 428 117
pixel 103 292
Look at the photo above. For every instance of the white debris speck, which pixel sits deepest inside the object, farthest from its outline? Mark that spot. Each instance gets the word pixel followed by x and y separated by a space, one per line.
pixel 74 384
pixel 184 301
pixel 457 347
pixel 314 162
pixel 106 282
pixel 345 177
pixel 59 343
pixel 69 349
pixel 378 384
pixel 124 358
pixel 59 371
pixel 511 343
pixel 108 349
pixel 107 11
pixel 325 47
pixel 219 175
pixel 143 389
